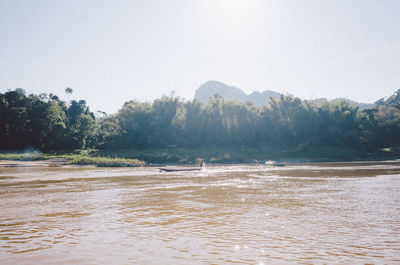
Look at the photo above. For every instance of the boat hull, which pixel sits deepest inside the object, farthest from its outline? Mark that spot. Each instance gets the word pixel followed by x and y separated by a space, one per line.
pixel 166 169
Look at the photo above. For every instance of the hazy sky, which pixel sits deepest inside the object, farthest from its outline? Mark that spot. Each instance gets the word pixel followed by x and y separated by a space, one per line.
pixel 113 51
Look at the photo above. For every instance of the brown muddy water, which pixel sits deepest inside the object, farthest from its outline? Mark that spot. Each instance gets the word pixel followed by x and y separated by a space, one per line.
pixel 338 213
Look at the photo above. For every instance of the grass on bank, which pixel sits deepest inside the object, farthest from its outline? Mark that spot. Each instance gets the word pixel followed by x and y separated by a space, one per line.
pixel 21 156
pixel 75 159
pixel 79 157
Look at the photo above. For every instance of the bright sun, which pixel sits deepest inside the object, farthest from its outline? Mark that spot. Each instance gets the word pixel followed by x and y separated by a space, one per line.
pixel 238 11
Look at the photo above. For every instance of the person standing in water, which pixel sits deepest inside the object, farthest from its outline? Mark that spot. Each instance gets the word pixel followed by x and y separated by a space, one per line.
pixel 201 163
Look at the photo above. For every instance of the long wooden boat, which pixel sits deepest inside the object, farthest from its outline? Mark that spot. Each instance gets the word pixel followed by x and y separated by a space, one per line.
pixel 177 169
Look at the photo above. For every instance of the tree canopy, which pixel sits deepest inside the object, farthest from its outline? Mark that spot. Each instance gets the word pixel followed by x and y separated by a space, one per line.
pixel 48 123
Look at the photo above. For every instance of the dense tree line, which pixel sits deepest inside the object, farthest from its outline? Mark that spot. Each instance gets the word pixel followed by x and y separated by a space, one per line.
pixel 45 122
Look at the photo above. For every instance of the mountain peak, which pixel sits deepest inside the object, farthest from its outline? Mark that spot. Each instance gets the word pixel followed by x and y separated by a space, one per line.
pixel 210 88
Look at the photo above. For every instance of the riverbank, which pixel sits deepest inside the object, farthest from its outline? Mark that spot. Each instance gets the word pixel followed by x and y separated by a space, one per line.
pixel 35 163
pixel 173 155
pixel 248 155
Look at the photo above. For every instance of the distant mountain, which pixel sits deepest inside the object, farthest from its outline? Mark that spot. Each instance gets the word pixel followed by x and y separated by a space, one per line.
pixel 210 88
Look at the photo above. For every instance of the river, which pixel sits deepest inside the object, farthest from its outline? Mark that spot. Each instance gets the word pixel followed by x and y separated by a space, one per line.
pixel 315 213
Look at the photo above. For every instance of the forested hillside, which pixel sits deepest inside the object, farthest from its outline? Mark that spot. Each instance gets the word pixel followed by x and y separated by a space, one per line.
pixel 47 123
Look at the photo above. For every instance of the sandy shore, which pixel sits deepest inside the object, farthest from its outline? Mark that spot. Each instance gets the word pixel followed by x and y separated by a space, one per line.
pixel 53 162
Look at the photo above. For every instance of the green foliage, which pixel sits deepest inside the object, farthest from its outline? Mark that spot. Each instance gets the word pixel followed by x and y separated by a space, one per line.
pixel 381 126
pixel 43 122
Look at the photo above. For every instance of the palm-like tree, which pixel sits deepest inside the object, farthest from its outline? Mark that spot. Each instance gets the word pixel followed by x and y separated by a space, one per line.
pixel 68 91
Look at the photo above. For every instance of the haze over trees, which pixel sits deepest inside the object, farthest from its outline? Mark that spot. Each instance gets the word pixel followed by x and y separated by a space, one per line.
pixel 210 88
pixel 50 124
